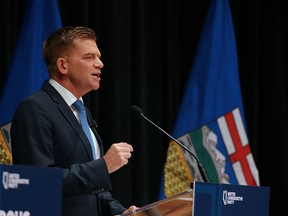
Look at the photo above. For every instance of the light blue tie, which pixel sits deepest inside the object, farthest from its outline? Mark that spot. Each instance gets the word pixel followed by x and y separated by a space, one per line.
pixel 83 119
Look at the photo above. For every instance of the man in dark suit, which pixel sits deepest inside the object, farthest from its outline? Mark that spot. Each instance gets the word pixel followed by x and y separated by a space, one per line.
pixel 46 129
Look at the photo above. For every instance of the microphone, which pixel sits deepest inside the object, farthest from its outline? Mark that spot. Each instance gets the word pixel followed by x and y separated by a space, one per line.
pixel 137 111
pixel 93 124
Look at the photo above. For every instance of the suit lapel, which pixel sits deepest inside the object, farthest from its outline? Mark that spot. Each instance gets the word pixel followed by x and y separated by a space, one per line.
pixel 69 116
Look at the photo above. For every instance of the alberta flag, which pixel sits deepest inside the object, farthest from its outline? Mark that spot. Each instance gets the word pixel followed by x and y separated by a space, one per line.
pixel 27 69
pixel 211 119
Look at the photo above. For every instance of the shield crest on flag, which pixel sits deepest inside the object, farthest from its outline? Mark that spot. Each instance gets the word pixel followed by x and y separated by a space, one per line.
pixel 223 149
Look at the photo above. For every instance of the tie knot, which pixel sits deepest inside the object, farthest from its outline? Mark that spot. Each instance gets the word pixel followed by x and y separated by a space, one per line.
pixel 79 105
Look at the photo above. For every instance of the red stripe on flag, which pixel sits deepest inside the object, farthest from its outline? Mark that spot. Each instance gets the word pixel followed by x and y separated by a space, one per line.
pixel 240 151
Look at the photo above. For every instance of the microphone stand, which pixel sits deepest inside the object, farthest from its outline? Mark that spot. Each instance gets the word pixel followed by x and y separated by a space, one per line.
pixel 199 165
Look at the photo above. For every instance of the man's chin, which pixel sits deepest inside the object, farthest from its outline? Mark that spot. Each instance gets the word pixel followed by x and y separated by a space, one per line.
pixel 96 87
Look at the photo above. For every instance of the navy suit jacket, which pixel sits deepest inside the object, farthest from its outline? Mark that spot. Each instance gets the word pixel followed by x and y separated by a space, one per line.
pixel 45 132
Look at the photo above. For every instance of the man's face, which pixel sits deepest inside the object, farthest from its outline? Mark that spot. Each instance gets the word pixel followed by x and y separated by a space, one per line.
pixel 84 66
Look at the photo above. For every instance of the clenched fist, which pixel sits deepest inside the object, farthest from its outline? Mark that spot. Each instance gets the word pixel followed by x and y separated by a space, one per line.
pixel 117 156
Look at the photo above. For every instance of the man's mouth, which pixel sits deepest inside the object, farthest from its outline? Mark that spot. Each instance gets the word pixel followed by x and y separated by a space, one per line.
pixel 97 75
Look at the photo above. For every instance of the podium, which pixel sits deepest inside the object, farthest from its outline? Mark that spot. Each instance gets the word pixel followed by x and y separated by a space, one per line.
pixel 30 190
pixel 211 199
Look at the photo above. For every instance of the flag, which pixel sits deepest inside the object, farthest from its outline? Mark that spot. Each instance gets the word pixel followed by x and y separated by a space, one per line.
pixel 211 119
pixel 27 70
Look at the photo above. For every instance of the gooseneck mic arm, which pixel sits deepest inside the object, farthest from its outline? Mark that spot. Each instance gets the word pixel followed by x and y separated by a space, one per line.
pixel 138 111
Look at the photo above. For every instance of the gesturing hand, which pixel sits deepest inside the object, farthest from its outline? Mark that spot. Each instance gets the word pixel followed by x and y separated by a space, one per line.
pixel 117 156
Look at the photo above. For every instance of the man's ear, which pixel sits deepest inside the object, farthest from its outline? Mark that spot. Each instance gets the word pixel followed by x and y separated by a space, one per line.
pixel 62 65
